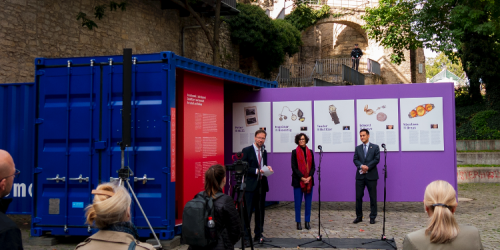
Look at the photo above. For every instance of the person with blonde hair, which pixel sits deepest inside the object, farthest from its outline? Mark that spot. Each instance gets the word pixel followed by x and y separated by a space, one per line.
pixel 110 213
pixel 226 217
pixel 443 232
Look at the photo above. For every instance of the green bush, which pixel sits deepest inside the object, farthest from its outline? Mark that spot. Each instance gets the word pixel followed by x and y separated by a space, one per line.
pixel 462 97
pixel 267 40
pixel 304 16
pixel 477 123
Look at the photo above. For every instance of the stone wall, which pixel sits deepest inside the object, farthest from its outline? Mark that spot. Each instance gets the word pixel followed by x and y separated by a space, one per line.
pixel 48 28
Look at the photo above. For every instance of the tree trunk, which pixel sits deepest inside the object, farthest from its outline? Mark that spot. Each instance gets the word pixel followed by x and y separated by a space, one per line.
pixel 413 65
pixel 216 46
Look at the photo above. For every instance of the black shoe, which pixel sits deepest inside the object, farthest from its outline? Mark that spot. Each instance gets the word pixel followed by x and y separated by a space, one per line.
pixel 308 226
pixel 372 220
pixel 299 226
pixel 357 220
pixel 263 239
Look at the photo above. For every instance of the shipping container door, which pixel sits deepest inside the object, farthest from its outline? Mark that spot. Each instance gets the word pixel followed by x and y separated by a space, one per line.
pixel 150 151
pixel 67 133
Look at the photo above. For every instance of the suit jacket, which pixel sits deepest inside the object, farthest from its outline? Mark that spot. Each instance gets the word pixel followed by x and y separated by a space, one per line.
pixel 10 235
pixel 296 174
pixel 251 178
pixel 467 238
pixel 371 160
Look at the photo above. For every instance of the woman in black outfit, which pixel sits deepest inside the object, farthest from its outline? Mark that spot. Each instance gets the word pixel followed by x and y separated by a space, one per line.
pixel 303 168
pixel 227 219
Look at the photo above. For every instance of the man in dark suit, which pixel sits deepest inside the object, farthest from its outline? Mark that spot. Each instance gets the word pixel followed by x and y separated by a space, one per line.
pixel 366 158
pixel 256 184
pixel 10 235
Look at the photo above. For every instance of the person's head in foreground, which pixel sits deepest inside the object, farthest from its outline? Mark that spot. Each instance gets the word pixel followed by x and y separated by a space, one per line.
pixel 215 179
pixel 443 231
pixel 110 213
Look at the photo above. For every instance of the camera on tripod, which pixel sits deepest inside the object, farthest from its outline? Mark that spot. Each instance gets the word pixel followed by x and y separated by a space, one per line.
pixel 239 167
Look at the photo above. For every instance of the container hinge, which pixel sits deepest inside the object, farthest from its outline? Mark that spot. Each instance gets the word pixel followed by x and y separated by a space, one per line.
pixel 38 121
pixel 166 118
pixel 165 222
pixel 166 67
pixel 165 170
pixel 143 179
pixel 40 72
pixel 37 220
pixel 38 170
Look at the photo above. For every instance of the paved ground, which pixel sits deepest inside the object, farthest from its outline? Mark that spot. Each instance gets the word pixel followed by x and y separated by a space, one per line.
pixel 402 217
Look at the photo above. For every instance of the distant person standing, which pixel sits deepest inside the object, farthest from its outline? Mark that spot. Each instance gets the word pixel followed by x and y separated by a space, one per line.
pixel 356 54
pixel 10 235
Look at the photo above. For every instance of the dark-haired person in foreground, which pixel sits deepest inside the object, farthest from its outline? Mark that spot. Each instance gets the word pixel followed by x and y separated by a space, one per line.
pixel 366 158
pixel 10 235
pixel 226 217
pixel 254 179
pixel 303 168
pixel 443 231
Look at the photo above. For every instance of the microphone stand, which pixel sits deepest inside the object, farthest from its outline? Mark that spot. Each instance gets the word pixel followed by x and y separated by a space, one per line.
pixel 261 224
pixel 319 237
pixel 384 238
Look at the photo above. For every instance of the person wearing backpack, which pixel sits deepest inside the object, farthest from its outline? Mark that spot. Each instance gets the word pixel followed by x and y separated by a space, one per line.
pixel 221 207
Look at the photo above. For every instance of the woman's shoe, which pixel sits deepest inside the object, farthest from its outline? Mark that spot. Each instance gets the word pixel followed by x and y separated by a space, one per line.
pixel 299 226
pixel 308 226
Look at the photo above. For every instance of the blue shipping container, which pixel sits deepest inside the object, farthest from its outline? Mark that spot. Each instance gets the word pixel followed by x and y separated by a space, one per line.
pixel 17 103
pixel 78 126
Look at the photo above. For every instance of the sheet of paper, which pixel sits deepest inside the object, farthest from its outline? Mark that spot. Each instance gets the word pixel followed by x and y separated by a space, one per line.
pixel 266 170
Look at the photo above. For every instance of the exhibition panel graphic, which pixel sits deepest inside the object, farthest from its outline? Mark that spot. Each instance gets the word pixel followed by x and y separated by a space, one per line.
pixel 422 124
pixel 290 119
pixel 334 126
pixel 249 117
pixel 380 117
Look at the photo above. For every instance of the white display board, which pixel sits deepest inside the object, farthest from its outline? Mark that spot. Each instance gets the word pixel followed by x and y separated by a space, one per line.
pixel 249 117
pixel 380 117
pixel 334 125
pixel 422 124
pixel 290 119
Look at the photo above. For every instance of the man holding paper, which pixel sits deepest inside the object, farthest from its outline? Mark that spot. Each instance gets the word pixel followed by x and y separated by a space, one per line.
pixel 256 183
pixel 366 158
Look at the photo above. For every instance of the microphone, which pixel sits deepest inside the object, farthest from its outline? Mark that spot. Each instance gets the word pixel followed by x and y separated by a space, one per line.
pixel 320 147
pixel 263 148
pixel 383 145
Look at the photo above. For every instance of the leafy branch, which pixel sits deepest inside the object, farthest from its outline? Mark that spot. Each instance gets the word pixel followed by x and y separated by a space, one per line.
pixel 100 13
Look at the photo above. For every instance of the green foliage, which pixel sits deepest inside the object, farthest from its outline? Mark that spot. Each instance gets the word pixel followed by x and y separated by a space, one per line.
pixel 463 98
pixel 268 41
pixel 99 13
pixel 468 30
pixel 435 65
pixel 304 16
pixel 477 122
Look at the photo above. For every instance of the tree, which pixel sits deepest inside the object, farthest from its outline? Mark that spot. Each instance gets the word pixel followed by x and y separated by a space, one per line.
pixel 465 30
pixel 441 61
pixel 213 40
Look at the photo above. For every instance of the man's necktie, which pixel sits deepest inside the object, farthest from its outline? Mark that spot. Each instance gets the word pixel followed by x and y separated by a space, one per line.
pixel 260 160
pixel 365 149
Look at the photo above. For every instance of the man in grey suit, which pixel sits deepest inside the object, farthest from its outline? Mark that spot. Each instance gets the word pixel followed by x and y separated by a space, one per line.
pixel 366 158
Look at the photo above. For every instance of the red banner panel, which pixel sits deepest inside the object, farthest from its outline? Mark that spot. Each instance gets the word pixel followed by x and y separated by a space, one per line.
pixel 200 104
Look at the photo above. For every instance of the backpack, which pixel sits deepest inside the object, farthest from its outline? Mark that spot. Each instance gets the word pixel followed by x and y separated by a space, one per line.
pixel 195 231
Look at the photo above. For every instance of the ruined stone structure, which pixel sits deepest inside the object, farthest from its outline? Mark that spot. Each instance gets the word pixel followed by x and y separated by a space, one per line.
pixel 48 28
pixel 334 37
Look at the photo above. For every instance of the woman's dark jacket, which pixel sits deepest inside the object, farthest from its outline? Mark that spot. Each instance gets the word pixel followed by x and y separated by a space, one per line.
pixel 227 223
pixel 296 174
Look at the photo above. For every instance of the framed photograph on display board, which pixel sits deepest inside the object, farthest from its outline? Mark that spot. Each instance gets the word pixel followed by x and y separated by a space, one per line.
pixel 380 117
pixel 422 124
pixel 334 126
pixel 247 118
pixel 290 119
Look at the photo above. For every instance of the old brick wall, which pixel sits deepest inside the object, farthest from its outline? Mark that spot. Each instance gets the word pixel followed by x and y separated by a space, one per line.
pixel 48 28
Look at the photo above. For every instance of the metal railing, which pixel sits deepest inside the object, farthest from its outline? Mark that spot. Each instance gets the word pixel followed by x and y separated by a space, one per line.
pixel 344 3
pixel 352 76
pixel 373 67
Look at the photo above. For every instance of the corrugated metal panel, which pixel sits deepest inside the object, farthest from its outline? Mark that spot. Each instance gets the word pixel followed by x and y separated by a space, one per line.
pixel 17 124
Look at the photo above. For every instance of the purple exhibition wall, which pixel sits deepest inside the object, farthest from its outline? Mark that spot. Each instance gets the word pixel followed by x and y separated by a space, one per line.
pixel 408 172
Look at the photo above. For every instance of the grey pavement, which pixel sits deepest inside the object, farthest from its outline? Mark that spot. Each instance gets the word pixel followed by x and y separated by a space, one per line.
pixel 483 212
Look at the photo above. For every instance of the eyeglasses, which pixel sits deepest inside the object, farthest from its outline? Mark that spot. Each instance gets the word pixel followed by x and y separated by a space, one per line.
pixel 261 138
pixel 15 175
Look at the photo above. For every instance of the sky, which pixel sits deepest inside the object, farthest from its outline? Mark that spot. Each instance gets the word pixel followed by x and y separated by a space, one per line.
pixel 428 53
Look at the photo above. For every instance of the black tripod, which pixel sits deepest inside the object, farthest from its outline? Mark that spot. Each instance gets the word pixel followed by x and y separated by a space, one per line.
pixel 384 238
pixel 239 190
pixel 319 237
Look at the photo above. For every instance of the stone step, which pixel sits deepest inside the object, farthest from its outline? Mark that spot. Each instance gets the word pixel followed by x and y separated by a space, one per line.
pixel 468 158
pixel 478 175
